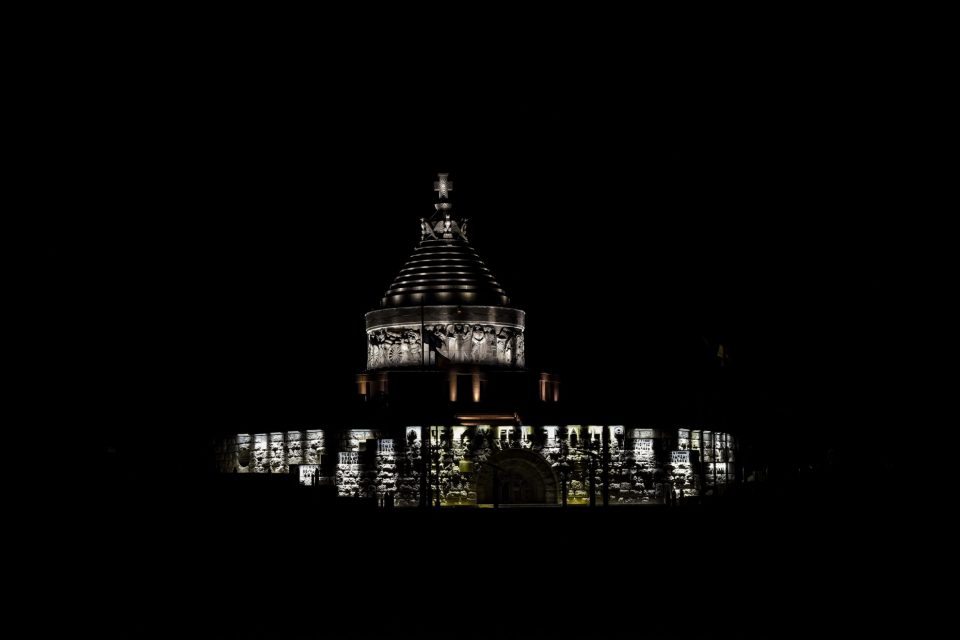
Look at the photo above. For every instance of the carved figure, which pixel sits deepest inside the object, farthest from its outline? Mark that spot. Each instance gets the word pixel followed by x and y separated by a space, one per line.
pixel 410 348
pixel 508 346
pixel 463 342
pixel 451 342
pixel 476 349
pixel 489 344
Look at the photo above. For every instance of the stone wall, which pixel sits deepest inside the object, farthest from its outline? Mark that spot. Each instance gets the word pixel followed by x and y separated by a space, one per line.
pixel 276 451
pixel 642 465
pixel 717 453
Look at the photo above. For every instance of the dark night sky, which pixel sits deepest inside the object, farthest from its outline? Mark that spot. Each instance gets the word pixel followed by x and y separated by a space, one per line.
pixel 210 226
pixel 223 239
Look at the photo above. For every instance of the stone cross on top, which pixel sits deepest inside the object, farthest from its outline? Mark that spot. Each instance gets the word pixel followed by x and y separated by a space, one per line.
pixel 443 185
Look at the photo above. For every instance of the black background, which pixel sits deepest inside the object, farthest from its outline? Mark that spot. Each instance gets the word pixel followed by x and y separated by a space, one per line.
pixel 223 240
pixel 220 224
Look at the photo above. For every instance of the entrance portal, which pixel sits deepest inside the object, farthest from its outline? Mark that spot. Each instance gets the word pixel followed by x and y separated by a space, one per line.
pixel 523 477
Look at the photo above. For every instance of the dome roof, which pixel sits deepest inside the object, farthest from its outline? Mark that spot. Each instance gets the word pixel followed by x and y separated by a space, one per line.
pixel 444 270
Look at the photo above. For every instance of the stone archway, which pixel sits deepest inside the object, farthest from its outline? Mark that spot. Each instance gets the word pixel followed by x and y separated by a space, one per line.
pixel 525 478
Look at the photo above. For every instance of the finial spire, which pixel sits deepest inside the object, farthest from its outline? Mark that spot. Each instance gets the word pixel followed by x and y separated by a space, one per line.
pixel 443 185
pixel 441 225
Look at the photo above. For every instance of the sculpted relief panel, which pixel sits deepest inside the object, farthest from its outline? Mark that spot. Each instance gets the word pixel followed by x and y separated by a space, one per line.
pixel 459 343
pixel 393 348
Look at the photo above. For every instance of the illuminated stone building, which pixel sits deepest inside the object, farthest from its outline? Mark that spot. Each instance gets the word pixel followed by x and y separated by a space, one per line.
pixel 452 416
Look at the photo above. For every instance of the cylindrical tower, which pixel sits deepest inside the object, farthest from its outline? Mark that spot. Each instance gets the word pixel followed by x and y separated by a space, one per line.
pixel 445 307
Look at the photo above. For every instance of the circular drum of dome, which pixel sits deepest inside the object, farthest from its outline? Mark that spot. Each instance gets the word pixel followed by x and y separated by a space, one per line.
pixel 483 335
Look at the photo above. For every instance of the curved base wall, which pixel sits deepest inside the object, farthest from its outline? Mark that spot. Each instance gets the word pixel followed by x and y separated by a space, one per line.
pixel 537 464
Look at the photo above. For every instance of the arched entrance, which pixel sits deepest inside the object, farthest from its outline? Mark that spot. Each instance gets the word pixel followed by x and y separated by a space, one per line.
pixel 523 477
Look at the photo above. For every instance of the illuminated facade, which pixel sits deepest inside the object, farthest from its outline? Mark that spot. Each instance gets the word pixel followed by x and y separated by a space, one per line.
pixel 450 414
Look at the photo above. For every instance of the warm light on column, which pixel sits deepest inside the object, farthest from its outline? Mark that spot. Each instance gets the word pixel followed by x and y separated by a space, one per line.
pixel 476 387
pixel 453 386
pixel 549 388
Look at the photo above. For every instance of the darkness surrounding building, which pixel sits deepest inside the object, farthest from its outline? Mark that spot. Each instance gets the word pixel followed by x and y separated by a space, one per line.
pixel 211 274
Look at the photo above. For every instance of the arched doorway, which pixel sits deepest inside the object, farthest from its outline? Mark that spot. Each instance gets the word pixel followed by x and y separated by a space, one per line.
pixel 523 477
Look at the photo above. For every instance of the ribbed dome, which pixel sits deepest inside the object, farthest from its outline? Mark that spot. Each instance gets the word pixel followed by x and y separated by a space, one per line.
pixel 447 271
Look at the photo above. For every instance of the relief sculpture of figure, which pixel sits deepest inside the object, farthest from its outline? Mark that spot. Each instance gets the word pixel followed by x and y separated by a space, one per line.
pixel 411 347
pixel 503 341
pixel 451 342
pixel 521 357
pixel 439 342
pixel 477 346
pixel 376 350
pixel 490 345
pixel 383 338
pixel 463 342
pixel 509 349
